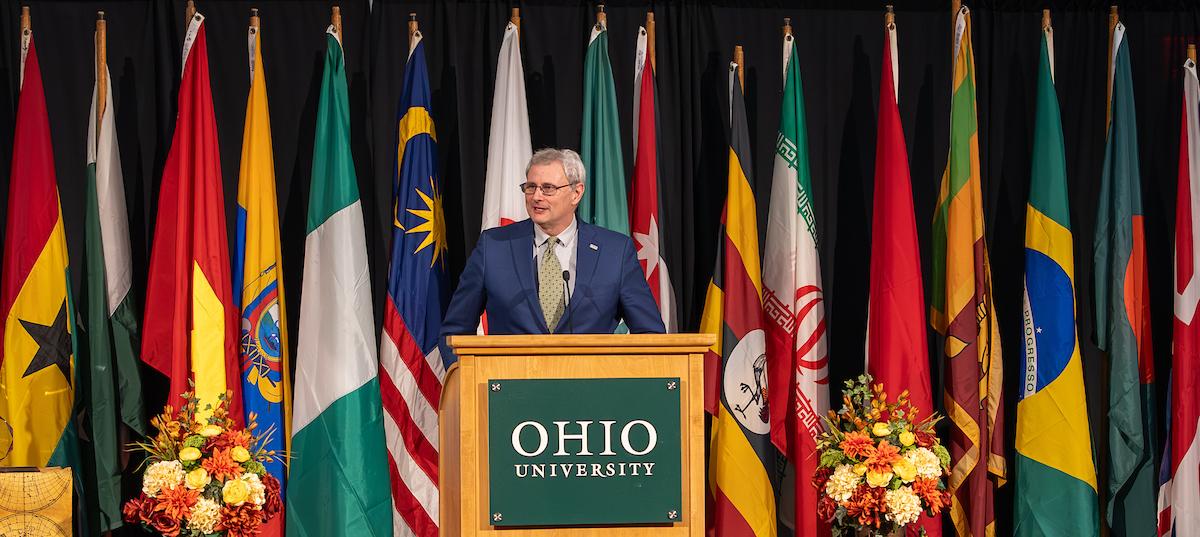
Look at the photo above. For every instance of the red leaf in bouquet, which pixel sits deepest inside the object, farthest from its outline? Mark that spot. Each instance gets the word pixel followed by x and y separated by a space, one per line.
pixel 925 439
pixel 221 466
pixel 868 505
pixel 857 445
pixel 139 509
pixel 820 477
pixel 826 509
pixel 274 503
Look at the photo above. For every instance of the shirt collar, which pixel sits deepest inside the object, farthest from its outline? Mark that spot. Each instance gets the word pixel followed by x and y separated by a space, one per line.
pixel 567 236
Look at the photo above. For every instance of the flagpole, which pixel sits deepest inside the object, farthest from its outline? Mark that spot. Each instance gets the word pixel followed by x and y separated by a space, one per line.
pixel 787 26
pixel 650 51
pixel 1113 19
pixel 335 18
pixel 1191 52
pixel 101 66
pixel 738 57
pixel 255 22
pixel 189 12
pixel 515 18
pixel 26 26
pixel 601 16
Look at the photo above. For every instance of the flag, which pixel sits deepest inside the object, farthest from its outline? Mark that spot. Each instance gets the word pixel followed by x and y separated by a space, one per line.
pixel 604 203
pixel 896 342
pixel 509 148
pixel 417 297
pixel 1055 474
pixel 962 311
pixel 114 383
pixel 1179 506
pixel 266 391
pixel 190 327
pixel 37 372
pixel 741 465
pixel 1123 315
pixel 644 216
pixel 793 303
pixel 337 485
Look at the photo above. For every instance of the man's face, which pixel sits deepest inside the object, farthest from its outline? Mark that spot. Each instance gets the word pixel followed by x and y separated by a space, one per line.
pixel 553 213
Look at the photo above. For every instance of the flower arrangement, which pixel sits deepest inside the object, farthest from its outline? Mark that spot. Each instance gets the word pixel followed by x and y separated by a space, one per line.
pixel 204 476
pixel 881 463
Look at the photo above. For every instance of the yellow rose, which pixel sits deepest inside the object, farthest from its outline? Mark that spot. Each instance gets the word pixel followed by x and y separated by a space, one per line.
pixel 235 492
pixel 197 479
pixel 907 438
pixel 881 429
pixel 878 479
pixel 239 454
pixel 209 431
pixel 860 469
pixel 189 454
pixel 905 469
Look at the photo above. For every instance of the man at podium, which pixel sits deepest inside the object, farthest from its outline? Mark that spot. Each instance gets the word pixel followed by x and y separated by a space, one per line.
pixel 552 273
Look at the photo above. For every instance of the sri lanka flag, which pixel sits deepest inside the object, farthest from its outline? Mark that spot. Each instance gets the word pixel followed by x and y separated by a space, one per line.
pixel 190 326
pixel 37 378
pixel 1056 478
pixel 412 373
pixel 266 392
pixel 741 465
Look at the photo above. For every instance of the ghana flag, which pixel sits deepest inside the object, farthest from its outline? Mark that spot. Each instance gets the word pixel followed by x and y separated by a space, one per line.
pixel 741 458
pixel 1056 478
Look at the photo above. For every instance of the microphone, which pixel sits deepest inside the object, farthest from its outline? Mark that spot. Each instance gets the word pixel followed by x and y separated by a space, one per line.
pixel 567 283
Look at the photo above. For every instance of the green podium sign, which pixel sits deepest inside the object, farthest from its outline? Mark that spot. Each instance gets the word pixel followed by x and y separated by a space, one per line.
pixel 584 451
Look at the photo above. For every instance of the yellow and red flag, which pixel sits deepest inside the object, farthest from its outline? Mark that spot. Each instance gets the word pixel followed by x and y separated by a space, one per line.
pixel 190 327
pixel 37 373
pixel 741 465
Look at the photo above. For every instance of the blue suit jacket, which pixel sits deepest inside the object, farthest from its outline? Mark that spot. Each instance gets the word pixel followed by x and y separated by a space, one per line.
pixel 500 277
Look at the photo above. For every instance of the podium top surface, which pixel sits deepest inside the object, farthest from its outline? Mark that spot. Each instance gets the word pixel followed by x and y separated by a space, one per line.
pixel 582 343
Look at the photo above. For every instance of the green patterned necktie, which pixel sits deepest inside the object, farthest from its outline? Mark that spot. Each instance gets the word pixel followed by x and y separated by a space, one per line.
pixel 550 284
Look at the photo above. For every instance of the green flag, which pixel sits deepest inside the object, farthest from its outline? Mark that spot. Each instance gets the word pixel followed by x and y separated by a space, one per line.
pixel 338 481
pixel 1056 478
pixel 114 386
pixel 604 202
pixel 1123 315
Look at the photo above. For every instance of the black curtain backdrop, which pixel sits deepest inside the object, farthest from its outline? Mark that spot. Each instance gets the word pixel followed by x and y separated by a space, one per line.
pixel 840 46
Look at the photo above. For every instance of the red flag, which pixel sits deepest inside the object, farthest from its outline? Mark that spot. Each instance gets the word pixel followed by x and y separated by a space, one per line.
pixel 190 327
pixel 897 353
pixel 644 220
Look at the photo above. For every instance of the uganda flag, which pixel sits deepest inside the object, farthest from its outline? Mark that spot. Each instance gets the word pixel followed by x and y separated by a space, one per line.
pixel 190 326
pixel 741 465
pixel 962 311
pixel 1056 478
pixel 37 375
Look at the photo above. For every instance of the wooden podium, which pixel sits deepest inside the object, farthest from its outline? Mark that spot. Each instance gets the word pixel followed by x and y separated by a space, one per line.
pixel 464 420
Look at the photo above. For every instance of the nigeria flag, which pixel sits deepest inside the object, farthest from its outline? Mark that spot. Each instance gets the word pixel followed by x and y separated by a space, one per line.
pixel 338 484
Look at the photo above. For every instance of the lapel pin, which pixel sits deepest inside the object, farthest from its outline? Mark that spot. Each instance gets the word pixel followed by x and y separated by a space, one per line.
pixel 594 247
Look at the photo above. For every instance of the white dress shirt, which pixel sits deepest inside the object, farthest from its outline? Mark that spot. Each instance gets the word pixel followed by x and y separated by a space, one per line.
pixel 565 250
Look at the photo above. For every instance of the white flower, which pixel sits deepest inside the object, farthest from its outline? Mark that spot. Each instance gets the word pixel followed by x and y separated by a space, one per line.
pixel 842 483
pixel 258 491
pixel 162 475
pixel 204 516
pixel 904 507
pixel 927 463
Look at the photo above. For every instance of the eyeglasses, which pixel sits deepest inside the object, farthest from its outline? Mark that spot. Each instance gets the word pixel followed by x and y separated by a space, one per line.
pixel 547 189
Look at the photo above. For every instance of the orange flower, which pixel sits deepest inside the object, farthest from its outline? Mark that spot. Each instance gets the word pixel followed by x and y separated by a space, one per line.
pixel 927 490
pixel 177 502
pixel 230 439
pixel 885 454
pixel 243 521
pixel 857 445
pixel 221 466
pixel 868 505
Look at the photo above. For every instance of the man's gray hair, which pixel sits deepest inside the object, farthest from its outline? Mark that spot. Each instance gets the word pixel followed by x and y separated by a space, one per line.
pixel 571 163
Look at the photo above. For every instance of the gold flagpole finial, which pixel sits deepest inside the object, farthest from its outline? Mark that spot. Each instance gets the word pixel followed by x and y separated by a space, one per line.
pixel 787 26
pixel 601 16
pixel 255 22
pixel 889 18
pixel 413 27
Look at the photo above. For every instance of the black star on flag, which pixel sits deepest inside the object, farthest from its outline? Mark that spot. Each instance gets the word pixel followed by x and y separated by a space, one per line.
pixel 54 345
